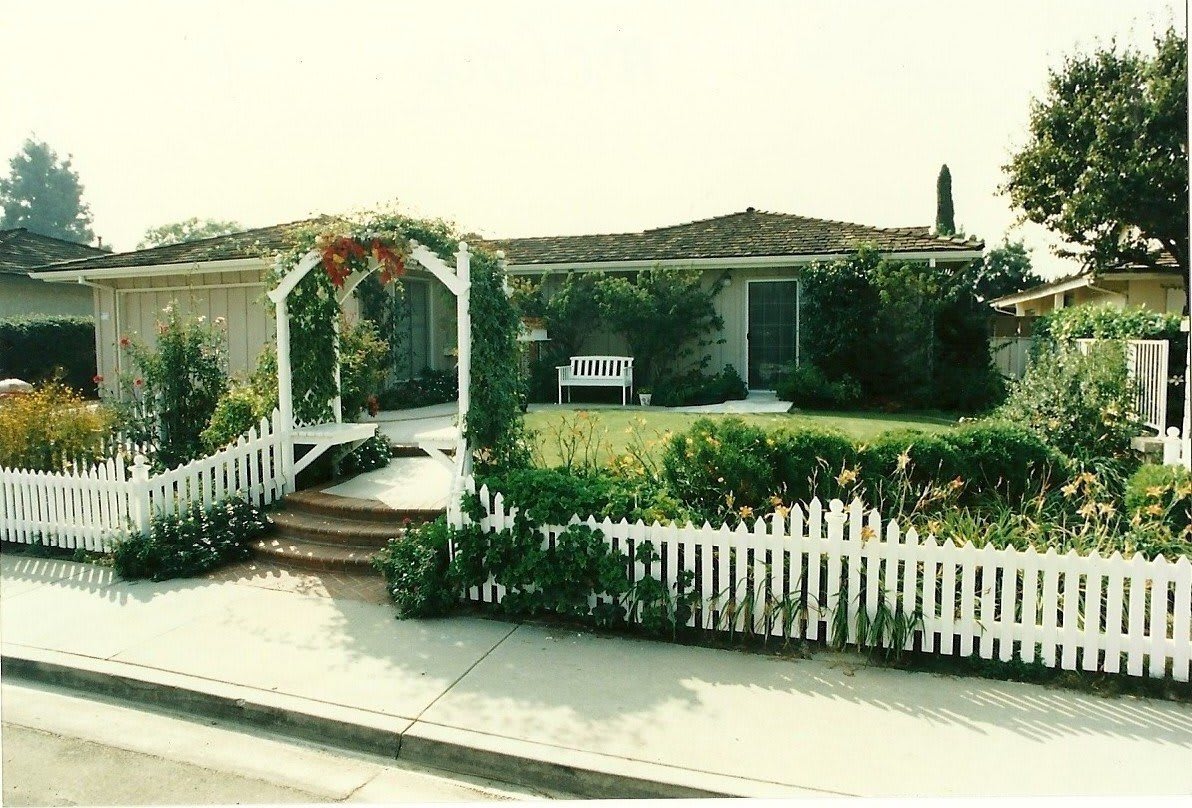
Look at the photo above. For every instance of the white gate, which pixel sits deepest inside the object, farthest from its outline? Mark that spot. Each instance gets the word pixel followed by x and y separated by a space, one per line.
pixel 1146 363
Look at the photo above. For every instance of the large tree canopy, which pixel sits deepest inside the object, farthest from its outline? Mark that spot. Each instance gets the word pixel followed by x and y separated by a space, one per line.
pixel 43 194
pixel 190 229
pixel 1106 166
pixel 1004 271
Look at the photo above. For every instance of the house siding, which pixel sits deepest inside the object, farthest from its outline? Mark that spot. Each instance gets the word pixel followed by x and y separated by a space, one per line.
pixel 22 296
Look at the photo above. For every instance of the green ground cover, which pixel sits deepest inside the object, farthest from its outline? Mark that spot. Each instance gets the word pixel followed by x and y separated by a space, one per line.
pixel 615 425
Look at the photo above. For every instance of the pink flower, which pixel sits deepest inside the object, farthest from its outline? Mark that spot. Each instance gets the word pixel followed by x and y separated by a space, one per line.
pixel 97 379
pixel 138 382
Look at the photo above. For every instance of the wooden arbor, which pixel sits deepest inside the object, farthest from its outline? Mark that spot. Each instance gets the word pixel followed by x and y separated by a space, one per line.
pixel 323 436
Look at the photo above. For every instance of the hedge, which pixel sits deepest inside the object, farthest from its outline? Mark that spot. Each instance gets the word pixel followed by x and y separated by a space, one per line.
pixel 36 348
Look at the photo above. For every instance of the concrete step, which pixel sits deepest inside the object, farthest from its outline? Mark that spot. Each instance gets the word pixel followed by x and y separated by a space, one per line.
pixel 319 502
pixel 334 531
pixel 314 556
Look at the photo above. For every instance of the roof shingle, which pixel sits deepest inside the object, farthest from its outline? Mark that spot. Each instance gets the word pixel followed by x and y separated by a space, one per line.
pixel 750 233
pixel 22 250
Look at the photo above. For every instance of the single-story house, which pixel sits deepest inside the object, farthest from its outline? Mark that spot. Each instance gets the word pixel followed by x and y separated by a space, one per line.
pixel 23 251
pixel 762 252
pixel 1157 285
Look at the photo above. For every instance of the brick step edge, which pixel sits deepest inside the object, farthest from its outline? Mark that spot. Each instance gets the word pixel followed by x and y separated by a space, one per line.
pixel 311 556
pixel 317 501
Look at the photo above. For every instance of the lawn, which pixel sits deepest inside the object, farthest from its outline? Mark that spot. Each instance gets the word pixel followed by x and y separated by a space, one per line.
pixel 611 428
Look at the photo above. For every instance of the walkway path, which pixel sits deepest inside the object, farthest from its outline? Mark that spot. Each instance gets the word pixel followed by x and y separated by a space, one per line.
pixel 586 713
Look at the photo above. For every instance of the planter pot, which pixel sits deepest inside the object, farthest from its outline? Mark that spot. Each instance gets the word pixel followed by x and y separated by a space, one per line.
pixel 644 398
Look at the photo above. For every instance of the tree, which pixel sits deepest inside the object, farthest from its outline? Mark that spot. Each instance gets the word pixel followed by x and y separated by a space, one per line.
pixel 945 215
pixel 1106 164
pixel 190 229
pixel 1004 271
pixel 43 194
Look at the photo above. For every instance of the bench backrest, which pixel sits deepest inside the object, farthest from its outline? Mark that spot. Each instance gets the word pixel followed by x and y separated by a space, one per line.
pixel 600 367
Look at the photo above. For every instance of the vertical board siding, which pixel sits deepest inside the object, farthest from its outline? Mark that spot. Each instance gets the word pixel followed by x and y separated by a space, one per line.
pixel 792 575
pixel 90 507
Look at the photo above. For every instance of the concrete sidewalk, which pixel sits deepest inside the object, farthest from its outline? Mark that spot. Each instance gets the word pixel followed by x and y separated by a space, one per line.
pixel 585 714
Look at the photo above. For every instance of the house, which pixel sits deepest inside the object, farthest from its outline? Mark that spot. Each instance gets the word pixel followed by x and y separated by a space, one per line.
pixel 21 253
pixel 1158 286
pixel 762 252
pixel 225 277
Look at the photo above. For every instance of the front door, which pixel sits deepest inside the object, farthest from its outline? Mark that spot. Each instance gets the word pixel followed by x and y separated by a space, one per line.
pixel 772 331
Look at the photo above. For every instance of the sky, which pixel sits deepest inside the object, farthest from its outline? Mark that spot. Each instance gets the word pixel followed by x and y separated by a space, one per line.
pixel 545 118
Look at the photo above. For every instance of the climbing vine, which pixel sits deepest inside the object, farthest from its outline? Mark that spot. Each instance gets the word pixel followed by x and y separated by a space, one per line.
pixel 494 428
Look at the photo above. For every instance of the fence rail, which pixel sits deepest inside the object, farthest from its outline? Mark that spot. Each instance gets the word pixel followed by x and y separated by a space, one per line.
pixel 89 507
pixel 814 572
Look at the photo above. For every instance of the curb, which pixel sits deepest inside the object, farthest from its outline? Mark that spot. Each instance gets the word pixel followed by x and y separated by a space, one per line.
pixel 522 763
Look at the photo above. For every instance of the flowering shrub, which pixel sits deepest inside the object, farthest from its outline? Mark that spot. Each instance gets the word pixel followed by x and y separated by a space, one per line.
pixel 1161 494
pixel 373 454
pixel 1080 404
pixel 1106 321
pixel 182 379
pixel 191 543
pixel 50 426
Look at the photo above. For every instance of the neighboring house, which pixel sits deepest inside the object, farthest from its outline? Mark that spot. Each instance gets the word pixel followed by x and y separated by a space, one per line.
pixel 762 253
pixel 1158 286
pixel 21 252
pixel 225 276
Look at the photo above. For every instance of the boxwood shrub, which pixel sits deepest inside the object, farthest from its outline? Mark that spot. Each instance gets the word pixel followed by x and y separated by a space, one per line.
pixel 39 348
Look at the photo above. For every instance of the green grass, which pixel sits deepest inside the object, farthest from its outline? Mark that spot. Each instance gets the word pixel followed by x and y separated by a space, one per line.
pixel 613 425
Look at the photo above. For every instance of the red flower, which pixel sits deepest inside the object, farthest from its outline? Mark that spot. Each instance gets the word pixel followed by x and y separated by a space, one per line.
pixel 138 382
pixel 125 342
pixel 97 379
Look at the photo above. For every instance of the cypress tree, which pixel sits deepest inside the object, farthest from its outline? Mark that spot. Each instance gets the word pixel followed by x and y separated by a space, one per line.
pixel 945 216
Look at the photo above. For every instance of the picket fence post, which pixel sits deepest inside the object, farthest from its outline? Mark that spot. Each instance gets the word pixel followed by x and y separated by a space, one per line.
pixel 138 495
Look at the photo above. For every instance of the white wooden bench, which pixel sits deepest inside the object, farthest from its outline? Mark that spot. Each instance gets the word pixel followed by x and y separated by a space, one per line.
pixel 597 371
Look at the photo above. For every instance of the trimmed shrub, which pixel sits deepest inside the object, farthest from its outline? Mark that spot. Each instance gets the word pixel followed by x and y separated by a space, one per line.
pixel 41 429
pixel 417 571
pixel 721 466
pixel 38 349
pixel 1161 494
pixel 807 387
pixel 1092 321
pixel 812 463
pixel 191 543
pixel 1005 460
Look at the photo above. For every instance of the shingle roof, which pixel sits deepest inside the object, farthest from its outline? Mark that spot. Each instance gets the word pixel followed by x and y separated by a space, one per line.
pixel 750 233
pixel 22 250
pixel 248 244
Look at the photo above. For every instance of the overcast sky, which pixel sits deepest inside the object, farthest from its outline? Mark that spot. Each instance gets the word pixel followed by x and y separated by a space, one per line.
pixel 519 118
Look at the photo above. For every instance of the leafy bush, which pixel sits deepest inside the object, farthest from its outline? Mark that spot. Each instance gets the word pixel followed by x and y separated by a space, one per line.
pixel 553 496
pixel 362 374
pixel 41 429
pixel 721 466
pixel 1080 404
pixel 694 388
pixel 42 348
pixel 807 387
pixel 1161 494
pixel 416 570
pixel 905 468
pixel 1104 321
pixel 237 411
pixel 1006 460
pixel 192 542
pixel 813 463
pixel 183 378
pixel 371 455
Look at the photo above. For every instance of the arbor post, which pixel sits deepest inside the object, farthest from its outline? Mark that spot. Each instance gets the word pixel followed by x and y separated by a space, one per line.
pixel 285 393
pixel 463 329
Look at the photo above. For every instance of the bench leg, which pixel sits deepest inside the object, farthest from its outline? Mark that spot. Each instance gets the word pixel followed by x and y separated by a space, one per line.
pixel 560 394
pixel 622 396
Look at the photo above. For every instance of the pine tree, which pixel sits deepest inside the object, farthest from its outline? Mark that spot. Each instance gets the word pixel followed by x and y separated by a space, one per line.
pixel 43 194
pixel 945 216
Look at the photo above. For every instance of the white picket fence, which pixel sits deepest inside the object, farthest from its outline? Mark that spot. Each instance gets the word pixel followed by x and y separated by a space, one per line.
pixel 1111 614
pixel 90 507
